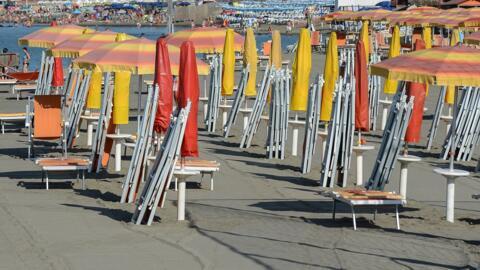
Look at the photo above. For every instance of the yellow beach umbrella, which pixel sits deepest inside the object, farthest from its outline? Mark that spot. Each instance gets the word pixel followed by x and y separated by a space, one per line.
pixel 276 50
pixel 427 36
pixel 301 72
pixel 120 97
pixel 250 57
pixel 94 98
pixel 390 86
pixel 228 71
pixel 330 75
pixel 450 95
pixel 366 39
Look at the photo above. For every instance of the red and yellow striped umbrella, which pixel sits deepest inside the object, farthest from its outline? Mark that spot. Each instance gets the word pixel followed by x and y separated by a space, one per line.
pixel 334 15
pixel 441 66
pixel 135 55
pixel 83 44
pixel 205 39
pixel 52 36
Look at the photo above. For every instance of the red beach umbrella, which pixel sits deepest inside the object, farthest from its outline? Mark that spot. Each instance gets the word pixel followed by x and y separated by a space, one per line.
pixel 188 90
pixel 418 91
pixel 361 89
pixel 164 79
pixel 57 79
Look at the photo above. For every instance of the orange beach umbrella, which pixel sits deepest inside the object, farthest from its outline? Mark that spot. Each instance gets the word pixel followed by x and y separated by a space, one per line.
pixel 135 55
pixel 50 36
pixel 205 39
pixel 83 44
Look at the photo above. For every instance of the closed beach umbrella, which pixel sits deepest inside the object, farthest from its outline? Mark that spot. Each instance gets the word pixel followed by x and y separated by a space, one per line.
pixel 188 89
pixel 135 55
pixel 390 86
pixel 50 36
pixel 276 51
pixel 450 94
pixel 330 75
pixel 418 91
pixel 94 98
pixel 361 89
pixel 205 39
pixel 250 57
pixel 57 78
pixel 427 36
pixel 164 79
pixel 83 44
pixel 228 70
pixel 121 97
pixel 302 65
pixel 364 37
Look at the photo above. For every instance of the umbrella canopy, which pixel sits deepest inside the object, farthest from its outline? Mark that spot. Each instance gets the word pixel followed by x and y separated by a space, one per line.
pixel 121 95
pixel 250 58
pixel 83 44
pixel 361 89
pixel 302 65
pixel 418 91
pixel 136 56
pixel 205 39
pixel 52 36
pixel 228 69
pixel 164 79
pixel 57 78
pixel 330 75
pixel 188 89
pixel 276 51
pixel 458 65
pixel 390 86
pixel 364 37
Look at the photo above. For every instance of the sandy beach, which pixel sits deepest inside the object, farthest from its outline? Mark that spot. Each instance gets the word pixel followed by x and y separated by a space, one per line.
pixel 262 214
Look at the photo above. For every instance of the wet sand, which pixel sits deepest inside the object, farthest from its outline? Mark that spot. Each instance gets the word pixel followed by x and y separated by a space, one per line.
pixel 263 214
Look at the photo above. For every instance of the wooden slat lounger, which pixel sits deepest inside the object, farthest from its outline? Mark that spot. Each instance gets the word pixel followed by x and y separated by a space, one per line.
pixel 62 165
pixel 11 117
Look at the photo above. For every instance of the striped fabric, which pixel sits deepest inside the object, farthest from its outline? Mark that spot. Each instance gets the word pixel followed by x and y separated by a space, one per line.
pixel 82 44
pixel 473 39
pixel 51 36
pixel 135 55
pixel 441 66
pixel 205 39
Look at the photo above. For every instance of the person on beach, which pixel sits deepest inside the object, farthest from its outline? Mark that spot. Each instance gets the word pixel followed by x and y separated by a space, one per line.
pixel 26 59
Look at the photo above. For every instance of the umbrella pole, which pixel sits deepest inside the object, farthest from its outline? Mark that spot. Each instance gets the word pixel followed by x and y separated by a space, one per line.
pixel 453 131
pixel 140 81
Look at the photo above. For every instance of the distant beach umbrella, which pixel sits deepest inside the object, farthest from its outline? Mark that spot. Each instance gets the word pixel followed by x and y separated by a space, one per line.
pixel 390 86
pixel 302 65
pixel 188 90
pixel 250 58
pixel 330 75
pixel 136 56
pixel 228 70
pixel 205 39
pixel 50 36
pixel 164 79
